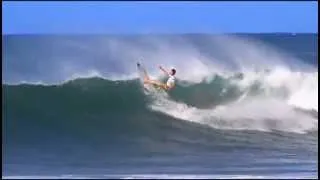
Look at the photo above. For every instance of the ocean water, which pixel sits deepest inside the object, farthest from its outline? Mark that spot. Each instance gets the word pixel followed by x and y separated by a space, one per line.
pixel 245 106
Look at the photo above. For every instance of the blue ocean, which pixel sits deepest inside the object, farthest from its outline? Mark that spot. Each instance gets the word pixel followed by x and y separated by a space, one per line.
pixel 244 106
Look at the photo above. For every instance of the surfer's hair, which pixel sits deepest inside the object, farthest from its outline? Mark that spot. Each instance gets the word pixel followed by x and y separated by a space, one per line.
pixel 173 71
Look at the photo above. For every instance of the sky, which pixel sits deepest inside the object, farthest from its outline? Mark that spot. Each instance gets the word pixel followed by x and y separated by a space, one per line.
pixel 159 17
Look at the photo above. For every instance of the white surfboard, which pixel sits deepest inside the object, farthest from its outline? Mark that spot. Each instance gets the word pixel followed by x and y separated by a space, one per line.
pixel 142 72
pixel 142 75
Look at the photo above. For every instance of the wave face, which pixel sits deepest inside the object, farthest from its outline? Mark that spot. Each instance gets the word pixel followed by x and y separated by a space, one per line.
pixel 252 110
pixel 255 107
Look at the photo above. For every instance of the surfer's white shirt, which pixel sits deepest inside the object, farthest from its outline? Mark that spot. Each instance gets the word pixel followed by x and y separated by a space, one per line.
pixel 171 80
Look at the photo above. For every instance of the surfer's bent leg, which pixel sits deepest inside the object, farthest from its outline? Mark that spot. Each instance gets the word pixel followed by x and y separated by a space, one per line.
pixel 155 83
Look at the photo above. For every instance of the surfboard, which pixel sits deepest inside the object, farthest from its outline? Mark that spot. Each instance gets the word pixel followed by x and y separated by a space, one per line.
pixel 142 75
pixel 142 72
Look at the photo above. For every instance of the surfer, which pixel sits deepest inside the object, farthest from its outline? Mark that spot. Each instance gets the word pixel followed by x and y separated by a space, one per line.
pixel 166 86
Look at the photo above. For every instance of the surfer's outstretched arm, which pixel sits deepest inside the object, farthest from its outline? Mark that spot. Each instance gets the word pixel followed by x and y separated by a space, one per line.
pixel 163 70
